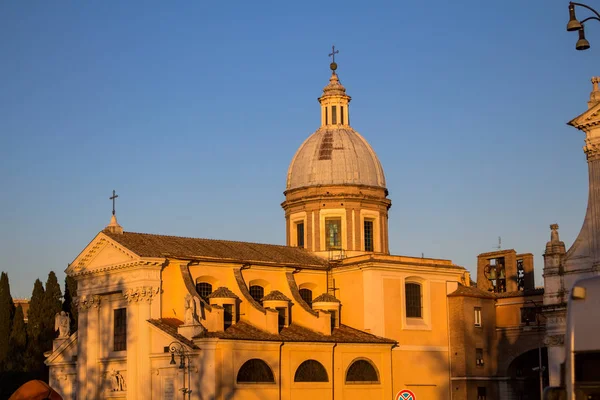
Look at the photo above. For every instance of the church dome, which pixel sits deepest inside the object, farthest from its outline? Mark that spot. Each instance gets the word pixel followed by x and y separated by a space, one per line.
pixel 335 155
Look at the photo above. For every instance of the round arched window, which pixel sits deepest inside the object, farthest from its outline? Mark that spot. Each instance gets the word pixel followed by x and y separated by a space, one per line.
pixel 255 370
pixel 362 371
pixel 311 371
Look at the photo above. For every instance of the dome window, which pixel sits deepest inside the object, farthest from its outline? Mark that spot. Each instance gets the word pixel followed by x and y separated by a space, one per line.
pixel 368 233
pixel 342 115
pixel 333 115
pixel 333 233
pixel 300 234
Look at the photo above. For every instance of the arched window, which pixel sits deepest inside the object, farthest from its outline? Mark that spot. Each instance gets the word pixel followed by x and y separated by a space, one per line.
pixel 413 300
pixel 363 372
pixel 204 289
pixel 255 371
pixel 306 295
pixel 257 293
pixel 311 371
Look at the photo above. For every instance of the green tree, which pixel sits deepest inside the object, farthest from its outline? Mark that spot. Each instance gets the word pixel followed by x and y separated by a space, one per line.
pixel 17 341
pixel 68 305
pixel 7 308
pixel 34 358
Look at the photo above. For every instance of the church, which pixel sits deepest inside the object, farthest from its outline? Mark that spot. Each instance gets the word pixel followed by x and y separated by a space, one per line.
pixel 330 315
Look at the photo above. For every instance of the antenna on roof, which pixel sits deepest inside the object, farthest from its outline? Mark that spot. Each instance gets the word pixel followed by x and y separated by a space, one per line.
pixel 499 247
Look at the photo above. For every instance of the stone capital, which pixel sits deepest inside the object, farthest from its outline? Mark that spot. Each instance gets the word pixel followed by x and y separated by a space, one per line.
pixel 85 302
pixel 592 149
pixel 554 340
pixel 140 293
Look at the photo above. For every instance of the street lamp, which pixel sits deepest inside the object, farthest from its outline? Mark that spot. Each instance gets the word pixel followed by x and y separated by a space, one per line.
pixel 176 348
pixel 575 25
pixel 540 367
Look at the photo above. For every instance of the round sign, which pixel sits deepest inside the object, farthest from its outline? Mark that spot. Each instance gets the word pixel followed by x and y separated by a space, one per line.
pixel 406 395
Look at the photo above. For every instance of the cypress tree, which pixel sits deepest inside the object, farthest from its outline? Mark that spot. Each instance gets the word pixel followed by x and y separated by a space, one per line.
pixel 68 306
pixel 17 341
pixel 52 305
pixel 34 360
pixel 6 315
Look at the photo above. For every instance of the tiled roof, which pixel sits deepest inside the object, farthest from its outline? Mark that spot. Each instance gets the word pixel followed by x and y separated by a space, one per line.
pixel 222 293
pixel 169 326
pixel 325 298
pixel 528 292
pixel 294 333
pixel 150 245
pixel 275 295
pixel 471 291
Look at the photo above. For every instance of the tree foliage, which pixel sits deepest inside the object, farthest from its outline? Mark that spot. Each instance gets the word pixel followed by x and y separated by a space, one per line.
pixel 18 342
pixel 7 308
pixel 35 328
pixel 68 304
pixel 52 305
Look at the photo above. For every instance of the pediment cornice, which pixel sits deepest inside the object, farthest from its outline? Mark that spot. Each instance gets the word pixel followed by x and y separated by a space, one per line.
pixel 103 255
pixel 589 118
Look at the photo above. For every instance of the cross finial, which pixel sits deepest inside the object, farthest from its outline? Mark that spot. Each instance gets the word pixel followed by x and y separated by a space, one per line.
pixel 333 53
pixel 113 197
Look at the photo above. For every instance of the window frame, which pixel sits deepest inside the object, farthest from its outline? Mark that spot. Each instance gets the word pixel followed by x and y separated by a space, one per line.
pixel 413 307
pixel 479 360
pixel 477 317
pixel 304 298
pixel 369 239
pixel 259 301
pixel 368 361
pixel 119 330
pixel 333 213
pixel 423 323
pixel 320 370
pixel 205 297
pixel 272 375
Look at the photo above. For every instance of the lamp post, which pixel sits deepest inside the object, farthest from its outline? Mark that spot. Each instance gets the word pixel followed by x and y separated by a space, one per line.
pixel 575 25
pixel 540 367
pixel 176 348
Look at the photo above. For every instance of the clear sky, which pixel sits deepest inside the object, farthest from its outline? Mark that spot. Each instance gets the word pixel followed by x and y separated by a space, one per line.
pixel 192 111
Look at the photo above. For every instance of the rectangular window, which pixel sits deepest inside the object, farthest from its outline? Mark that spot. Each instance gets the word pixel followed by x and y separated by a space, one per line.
pixel 227 315
pixel 333 233
pixel 326 117
pixel 477 316
pixel 341 114
pixel 368 232
pixel 528 316
pixel 282 317
pixel 481 393
pixel 300 234
pixel 479 357
pixel 333 115
pixel 413 300
pixel 120 329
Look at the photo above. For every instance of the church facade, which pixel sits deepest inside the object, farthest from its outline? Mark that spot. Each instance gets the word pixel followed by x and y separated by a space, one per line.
pixel 330 315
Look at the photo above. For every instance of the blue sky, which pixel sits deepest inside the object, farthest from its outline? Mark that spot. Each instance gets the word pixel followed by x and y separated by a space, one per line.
pixel 192 111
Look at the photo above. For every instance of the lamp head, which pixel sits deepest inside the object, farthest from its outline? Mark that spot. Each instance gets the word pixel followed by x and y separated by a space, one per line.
pixel 582 43
pixel 181 362
pixel 172 359
pixel 573 24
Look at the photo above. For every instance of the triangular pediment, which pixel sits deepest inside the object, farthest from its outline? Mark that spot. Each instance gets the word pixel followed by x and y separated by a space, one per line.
pixel 101 254
pixel 65 352
pixel 591 116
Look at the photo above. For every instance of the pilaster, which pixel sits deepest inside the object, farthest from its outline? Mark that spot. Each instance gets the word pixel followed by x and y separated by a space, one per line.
pixel 139 306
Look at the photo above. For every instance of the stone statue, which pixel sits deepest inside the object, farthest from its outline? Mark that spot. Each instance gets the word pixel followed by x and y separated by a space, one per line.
pixel 190 310
pixel 62 324
pixel 118 382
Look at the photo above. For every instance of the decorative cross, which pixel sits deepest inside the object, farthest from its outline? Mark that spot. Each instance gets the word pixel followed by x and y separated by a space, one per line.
pixel 334 289
pixel 333 53
pixel 113 197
